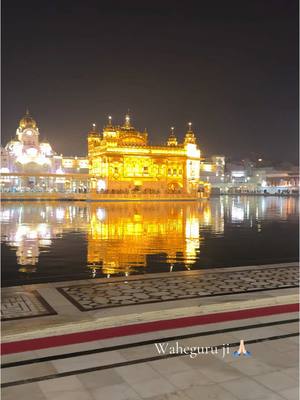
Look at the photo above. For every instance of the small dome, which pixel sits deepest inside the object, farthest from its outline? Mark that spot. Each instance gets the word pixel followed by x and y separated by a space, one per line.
pixel 27 121
pixel 172 140
pixel 93 132
pixel 190 136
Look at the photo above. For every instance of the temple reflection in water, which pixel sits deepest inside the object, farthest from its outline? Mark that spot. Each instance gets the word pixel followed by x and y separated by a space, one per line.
pixel 119 234
pixel 121 238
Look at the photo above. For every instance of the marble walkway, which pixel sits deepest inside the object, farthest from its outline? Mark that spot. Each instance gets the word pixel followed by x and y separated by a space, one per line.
pixel 29 301
pixel 129 366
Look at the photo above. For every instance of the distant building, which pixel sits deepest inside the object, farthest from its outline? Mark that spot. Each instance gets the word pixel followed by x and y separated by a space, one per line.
pixel 26 153
pixel 212 169
pixel 27 163
pixel 259 177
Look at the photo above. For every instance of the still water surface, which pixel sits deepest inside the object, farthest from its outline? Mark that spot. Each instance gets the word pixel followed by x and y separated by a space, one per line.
pixel 43 242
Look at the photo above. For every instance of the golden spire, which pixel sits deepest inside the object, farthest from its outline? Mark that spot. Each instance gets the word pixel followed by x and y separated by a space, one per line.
pixel 93 129
pixel 127 120
pixel 109 120
pixel 172 140
pixel 190 136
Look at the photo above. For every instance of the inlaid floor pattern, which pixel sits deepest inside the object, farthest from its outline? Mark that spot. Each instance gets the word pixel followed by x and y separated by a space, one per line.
pixel 150 290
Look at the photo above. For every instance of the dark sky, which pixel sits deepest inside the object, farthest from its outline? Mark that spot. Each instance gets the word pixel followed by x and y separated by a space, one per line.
pixel 231 67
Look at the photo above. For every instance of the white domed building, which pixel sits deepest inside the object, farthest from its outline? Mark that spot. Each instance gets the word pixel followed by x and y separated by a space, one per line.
pixel 26 153
pixel 28 164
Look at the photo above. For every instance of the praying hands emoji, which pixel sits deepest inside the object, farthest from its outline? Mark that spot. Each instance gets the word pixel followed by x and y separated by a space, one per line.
pixel 242 350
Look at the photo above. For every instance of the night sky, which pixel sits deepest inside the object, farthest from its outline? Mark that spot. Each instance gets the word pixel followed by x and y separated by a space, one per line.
pixel 230 67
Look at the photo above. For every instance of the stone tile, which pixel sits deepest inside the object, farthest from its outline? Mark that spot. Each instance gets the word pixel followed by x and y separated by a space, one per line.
pixel 153 387
pixel 68 383
pixel 293 372
pixel 219 371
pixel 29 391
pixel 170 366
pixel 282 346
pixel 271 396
pixel 289 328
pixel 251 366
pixel 72 395
pixel 26 372
pixel 138 352
pixel 67 388
pixel 137 373
pixel 247 389
pixel 211 340
pixel 55 298
pixel 115 392
pixel 274 358
pixel 202 360
pixel 189 378
pixel 98 379
pixel 179 395
pixel 294 339
pixel 290 394
pixel 250 334
pixel 207 392
pixel 26 355
pixel 89 361
pixel 276 381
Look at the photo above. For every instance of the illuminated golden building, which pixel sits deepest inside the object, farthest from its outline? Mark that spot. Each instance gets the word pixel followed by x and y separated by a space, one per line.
pixel 124 161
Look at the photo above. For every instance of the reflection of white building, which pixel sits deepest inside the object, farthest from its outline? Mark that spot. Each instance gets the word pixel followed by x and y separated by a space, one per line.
pixel 26 230
pixel 192 239
pixel 30 228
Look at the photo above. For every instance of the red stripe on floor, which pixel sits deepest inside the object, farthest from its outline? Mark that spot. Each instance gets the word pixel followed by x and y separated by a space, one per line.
pixel 145 327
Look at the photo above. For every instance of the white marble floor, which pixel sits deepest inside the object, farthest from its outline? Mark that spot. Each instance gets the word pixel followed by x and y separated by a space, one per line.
pixel 134 369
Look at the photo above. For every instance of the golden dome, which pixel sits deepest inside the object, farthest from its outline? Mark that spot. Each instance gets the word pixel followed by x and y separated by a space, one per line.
pixel 133 138
pixel 27 121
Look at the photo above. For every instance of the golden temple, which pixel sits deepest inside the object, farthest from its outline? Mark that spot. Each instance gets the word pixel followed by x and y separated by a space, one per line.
pixel 125 163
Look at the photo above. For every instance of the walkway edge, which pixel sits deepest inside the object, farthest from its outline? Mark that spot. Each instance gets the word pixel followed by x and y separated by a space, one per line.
pixel 148 322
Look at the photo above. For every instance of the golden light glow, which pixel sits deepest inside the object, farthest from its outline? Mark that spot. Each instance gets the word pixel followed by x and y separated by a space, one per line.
pixel 121 154
pixel 207 167
pixel 119 237
pixel 163 228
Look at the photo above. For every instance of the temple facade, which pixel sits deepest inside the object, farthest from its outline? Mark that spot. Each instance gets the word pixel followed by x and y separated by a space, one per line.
pixel 120 161
pixel 124 161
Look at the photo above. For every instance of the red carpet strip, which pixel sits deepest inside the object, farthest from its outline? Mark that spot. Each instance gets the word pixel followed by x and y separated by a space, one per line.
pixel 145 327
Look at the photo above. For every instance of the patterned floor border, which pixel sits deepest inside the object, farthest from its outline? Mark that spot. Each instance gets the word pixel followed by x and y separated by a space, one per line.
pixel 36 306
pixel 88 297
